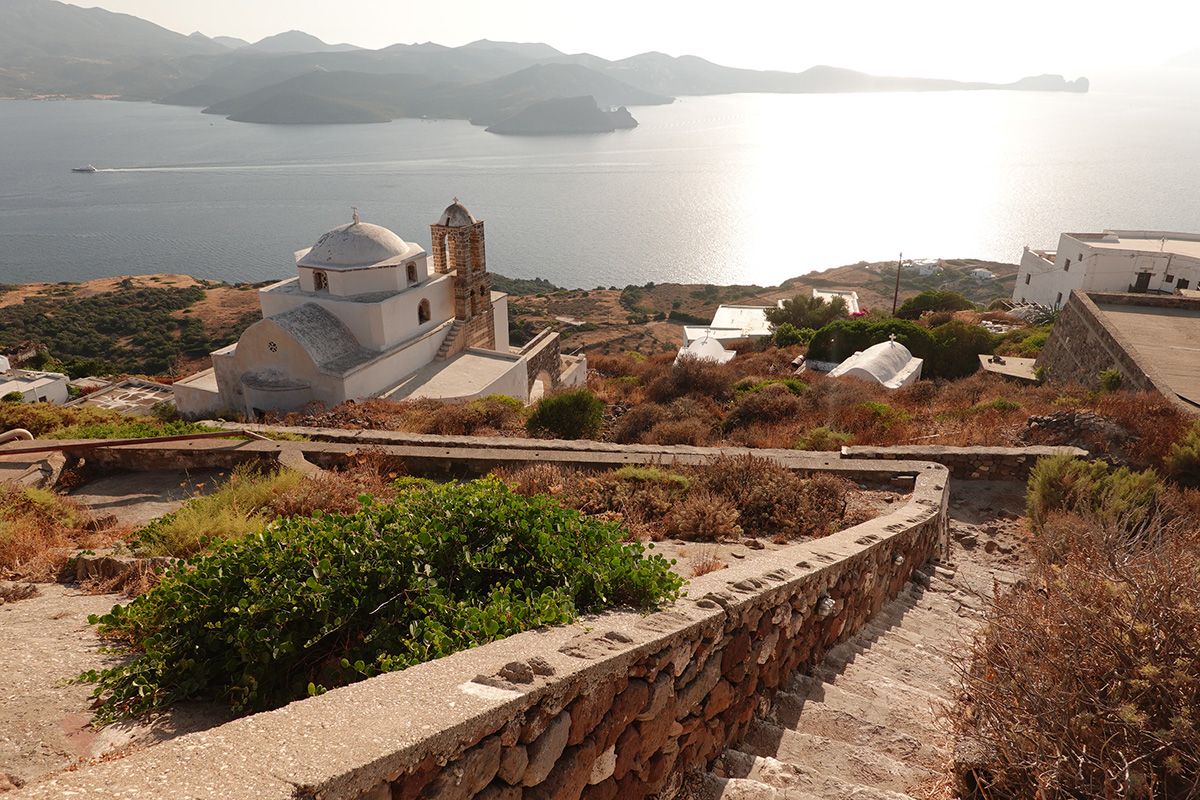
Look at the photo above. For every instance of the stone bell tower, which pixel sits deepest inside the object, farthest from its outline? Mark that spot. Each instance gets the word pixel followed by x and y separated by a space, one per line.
pixel 458 248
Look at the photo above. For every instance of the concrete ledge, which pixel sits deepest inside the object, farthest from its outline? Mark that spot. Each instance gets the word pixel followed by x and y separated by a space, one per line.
pixel 674 687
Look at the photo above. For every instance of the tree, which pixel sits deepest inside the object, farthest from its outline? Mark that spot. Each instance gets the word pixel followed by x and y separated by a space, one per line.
pixel 807 312
pixel 931 300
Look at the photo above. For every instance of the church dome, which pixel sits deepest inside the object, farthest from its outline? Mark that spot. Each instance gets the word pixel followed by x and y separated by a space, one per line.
pixel 357 244
pixel 456 216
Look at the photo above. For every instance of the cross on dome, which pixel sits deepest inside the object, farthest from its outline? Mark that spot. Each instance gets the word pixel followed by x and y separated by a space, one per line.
pixel 354 213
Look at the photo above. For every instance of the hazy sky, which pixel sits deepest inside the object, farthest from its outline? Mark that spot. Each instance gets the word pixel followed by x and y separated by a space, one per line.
pixel 966 39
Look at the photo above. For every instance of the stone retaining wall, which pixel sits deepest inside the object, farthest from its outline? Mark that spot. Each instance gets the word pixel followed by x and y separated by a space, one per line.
pixel 616 706
pixel 970 463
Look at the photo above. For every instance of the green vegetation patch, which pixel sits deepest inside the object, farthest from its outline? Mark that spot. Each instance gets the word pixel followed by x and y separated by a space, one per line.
pixel 570 415
pixel 933 300
pixel 312 603
pixel 1063 483
pixel 130 331
pixel 950 351
pixel 47 421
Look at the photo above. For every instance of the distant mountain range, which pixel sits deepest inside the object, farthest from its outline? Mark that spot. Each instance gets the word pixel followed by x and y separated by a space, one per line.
pixel 48 48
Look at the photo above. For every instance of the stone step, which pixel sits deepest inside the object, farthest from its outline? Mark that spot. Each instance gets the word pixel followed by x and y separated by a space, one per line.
pixel 867 765
pixel 907 714
pixel 878 688
pixel 833 723
pixel 879 667
pixel 884 646
pixel 794 781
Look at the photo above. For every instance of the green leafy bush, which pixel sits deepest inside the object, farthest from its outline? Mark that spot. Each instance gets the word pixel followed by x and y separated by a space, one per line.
pixel 1182 462
pixel 570 415
pixel 804 311
pixel 1110 380
pixel 311 603
pixel 933 300
pixel 12 397
pixel 786 334
pixel 1063 483
pixel 950 351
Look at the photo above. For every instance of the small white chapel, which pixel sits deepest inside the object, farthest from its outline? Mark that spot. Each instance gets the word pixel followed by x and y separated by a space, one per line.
pixel 369 315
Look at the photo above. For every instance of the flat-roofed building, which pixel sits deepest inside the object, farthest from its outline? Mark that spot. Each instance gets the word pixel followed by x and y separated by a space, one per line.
pixel 1142 262
pixel 1152 341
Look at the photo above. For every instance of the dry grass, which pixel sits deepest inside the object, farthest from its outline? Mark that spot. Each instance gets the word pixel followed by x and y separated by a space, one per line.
pixel 705 562
pixel 39 531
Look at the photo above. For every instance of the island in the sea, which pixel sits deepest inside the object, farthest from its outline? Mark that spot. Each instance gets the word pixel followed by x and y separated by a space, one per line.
pixel 565 115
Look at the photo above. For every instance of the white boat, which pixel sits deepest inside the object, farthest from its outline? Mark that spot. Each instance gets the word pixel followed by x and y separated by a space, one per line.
pixel 88 168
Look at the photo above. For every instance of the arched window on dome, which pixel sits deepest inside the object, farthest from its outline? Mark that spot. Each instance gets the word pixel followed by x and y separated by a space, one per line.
pixel 320 281
pixel 412 272
pixel 423 314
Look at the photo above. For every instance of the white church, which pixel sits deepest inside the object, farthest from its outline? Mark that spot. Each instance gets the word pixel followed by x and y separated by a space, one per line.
pixel 368 315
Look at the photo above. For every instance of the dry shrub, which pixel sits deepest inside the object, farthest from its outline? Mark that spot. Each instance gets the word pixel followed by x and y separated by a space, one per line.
pixel 691 377
pixel 771 403
pixel 773 500
pixel 1086 683
pixel 704 516
pixel 679 431
pixel 823 438
pixel 539 478
pixel 1151 418
pixel 638 421
pixel 776 436
pixel 39 530
pixel 874 422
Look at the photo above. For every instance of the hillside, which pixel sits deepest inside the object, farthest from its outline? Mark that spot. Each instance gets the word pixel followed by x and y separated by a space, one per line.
pixel 165 325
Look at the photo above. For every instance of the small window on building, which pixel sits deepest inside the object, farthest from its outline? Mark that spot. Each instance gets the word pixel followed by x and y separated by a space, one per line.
pixel 1067 266
pixel 1081 256
pixel 320 281
pixel 1027 277
pixel 412 273
pixel 423 312
pixel 1058 300
pixel 1169 278
pixel 1183 283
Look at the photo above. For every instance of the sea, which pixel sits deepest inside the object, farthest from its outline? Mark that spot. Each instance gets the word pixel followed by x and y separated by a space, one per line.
pixel 732 189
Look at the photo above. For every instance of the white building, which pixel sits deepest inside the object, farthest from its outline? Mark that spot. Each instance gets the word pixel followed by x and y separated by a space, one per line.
pixel 730 324
pixel 367 315
pixel 981 275
pixel 35 387
pixel 887 363
pixel 829 295
pixel 1112 261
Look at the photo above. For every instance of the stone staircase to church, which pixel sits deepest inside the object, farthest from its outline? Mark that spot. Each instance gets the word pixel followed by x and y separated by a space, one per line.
pixel 865 724
pixel 448 343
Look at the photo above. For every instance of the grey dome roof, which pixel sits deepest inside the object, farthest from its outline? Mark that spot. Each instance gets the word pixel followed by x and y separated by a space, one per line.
pixel 456 216
pixel 357 244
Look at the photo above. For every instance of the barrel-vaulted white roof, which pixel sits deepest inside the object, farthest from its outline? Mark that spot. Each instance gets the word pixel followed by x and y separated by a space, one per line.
pixel 889 363
pixel 357 245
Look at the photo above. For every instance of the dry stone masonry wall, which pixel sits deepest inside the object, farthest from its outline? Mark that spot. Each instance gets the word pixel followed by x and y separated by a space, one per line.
pixel 969 463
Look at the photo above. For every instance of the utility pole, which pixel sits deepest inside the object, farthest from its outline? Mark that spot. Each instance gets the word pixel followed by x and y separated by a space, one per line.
pixel 896 295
